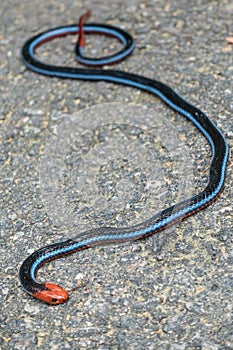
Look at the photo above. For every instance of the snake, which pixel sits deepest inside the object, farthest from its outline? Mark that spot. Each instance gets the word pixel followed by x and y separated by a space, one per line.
pixel 93 70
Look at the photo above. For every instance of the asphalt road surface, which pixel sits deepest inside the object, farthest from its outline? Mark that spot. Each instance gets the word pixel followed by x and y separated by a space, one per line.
pixel 171 291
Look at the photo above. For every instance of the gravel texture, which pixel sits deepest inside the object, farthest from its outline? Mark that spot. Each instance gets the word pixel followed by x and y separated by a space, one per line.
pixel 171 291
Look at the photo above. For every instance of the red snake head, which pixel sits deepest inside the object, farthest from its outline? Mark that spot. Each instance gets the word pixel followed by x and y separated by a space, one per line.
pixel 53 294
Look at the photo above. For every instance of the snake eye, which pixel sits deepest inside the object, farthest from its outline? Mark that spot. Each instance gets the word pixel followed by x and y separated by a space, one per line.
pixel 54 300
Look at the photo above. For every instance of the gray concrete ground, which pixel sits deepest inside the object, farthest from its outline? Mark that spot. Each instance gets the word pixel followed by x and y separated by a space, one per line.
pixel 171 291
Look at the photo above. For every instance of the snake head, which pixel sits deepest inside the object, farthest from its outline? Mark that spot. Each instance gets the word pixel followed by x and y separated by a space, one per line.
pixel 52 294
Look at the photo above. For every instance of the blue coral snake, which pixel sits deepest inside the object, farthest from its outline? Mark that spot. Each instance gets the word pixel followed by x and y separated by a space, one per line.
pixel 52 293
